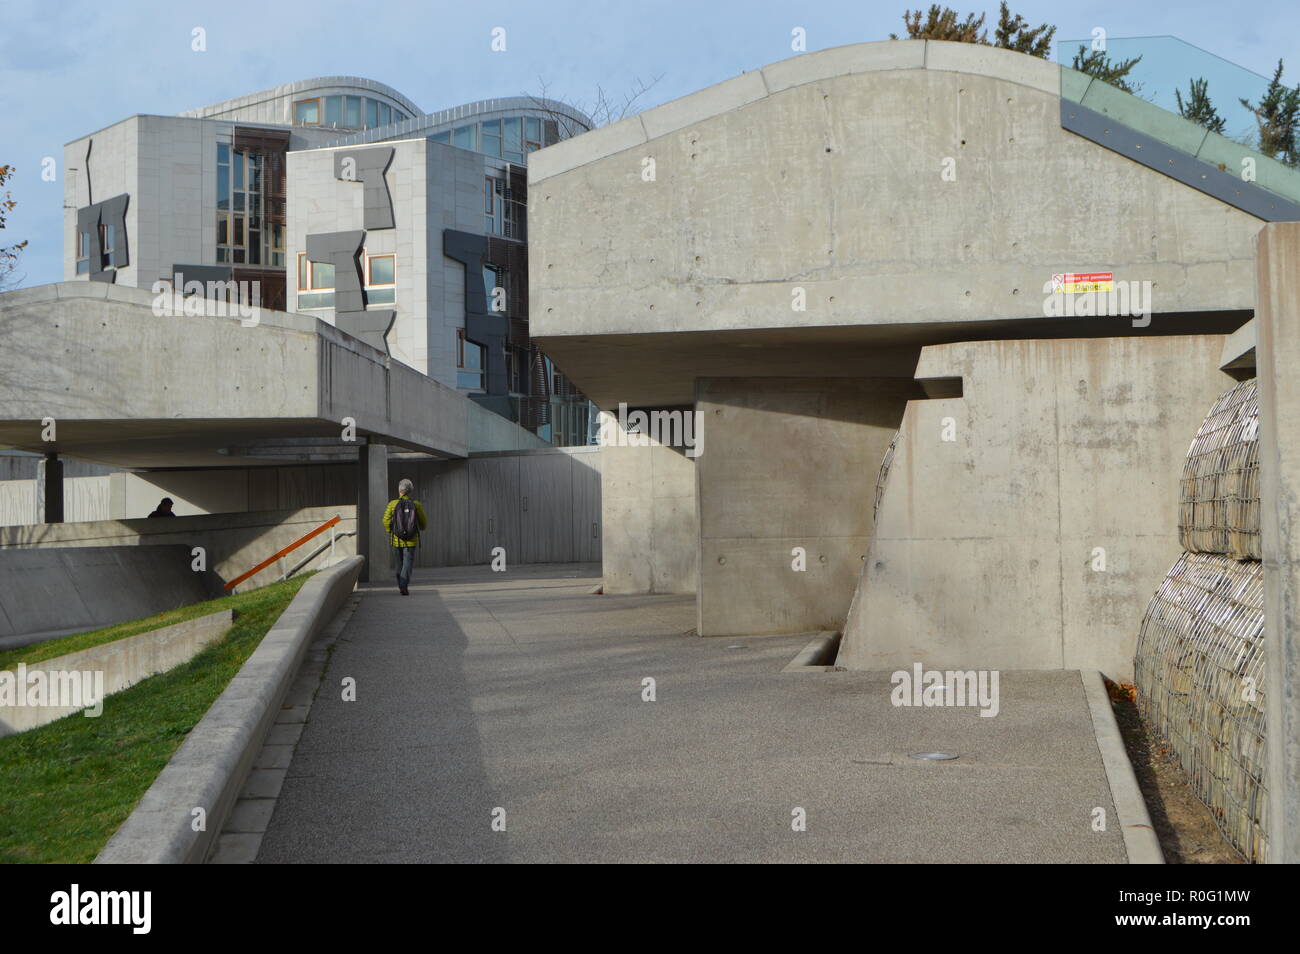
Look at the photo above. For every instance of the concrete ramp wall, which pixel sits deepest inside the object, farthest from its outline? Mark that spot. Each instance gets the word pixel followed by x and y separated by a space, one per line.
pixel 49 592
pixel 234 542
pixel 1026 524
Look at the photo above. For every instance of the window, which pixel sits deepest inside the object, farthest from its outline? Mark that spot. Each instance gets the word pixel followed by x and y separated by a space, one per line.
pixel 516 366
pixel 333 110
pixel 372 113
pixel 532 134
pixel 107 233
pixel 444 136
pixel 380 280
pixel 493 190
pixel 352 112
pixel 83 253
pixel 241 238
pixel 491 137
pixel 469 362
pixel 464 137
pixel 315 284
pixel 385 114
pixel 306 112
pixel 514 147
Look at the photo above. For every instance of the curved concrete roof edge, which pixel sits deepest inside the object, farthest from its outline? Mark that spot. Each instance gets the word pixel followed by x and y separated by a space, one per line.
pixel 288 89
pixel 749 87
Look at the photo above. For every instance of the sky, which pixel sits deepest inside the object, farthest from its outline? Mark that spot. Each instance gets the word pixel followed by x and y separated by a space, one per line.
pixel 69 68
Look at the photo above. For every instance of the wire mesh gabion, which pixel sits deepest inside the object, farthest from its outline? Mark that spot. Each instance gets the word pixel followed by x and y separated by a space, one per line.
pixel 1200 678
pixel 884 474
pixel 1218 510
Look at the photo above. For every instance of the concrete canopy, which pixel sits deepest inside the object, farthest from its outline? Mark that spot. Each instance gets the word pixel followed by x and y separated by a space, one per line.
pixel 924 190
pixel 129 388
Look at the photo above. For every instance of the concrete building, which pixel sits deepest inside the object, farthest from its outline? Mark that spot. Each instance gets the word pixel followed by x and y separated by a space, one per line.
pixel 339 197
pixel 798 260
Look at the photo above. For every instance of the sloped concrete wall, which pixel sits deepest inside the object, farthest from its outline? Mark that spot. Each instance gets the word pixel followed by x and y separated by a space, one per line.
pixel 1035 537
pixel 233 542
pixel 75 589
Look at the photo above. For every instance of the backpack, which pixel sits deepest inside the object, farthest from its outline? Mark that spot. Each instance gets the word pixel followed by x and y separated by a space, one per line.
pixel 405 523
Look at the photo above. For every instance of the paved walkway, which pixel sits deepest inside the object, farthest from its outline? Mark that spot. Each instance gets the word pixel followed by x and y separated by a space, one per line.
pixel 523 691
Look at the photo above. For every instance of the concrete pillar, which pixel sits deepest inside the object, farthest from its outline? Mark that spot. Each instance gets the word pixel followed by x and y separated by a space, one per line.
pixel 51 489
pixel 785 493
pixel 648 517
pixel 1277 320
pixel 372 497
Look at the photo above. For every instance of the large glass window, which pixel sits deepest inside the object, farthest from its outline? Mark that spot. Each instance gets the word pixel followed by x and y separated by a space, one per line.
pixel 241 208
pixel 464 137
pixel 532 134
pixel 306 112
pixel 333 110
pixel 492 137
pixel 372 113
pixel 352 113
pixel 385 114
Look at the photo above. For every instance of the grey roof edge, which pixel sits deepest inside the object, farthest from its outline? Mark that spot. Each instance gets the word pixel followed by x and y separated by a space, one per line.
pixel 877 56
pixel 298 86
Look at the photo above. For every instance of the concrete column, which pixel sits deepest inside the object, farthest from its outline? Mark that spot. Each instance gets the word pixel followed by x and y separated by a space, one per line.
pixel 52 489
pixel 1277 320
pixel 372 497
pixel 785 492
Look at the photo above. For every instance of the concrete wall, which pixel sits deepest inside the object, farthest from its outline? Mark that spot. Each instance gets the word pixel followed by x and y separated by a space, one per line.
pixel 433 187
pixel 233 542
pixel 49 592
pixel 816 172
pixel 787 462
pixel 541 506
pixel 121 663
pixel 648 517
pixel 1278 326
pixel 985 545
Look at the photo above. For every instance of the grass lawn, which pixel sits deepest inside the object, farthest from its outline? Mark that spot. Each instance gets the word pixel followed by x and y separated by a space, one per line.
pixel 66 787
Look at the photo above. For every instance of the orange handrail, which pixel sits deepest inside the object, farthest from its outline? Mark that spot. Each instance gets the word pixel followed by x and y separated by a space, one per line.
pixel 275 556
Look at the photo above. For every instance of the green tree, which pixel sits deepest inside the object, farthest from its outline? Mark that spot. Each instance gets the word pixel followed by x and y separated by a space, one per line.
pixel 1098 64
pixel 1198 107
pixel 1012 33
pixel 8 253
pixel 941 23
pixel 1277 115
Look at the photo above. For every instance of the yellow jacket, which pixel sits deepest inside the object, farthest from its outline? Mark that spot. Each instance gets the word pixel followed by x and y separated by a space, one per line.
pixel 388 522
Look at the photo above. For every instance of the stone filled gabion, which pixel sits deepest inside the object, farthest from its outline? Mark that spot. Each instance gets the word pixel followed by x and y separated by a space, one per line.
pixel 1200 655
pixel 1218 509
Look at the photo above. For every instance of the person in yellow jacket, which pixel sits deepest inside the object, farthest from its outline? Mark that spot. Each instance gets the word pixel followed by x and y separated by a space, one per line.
pixel 403 520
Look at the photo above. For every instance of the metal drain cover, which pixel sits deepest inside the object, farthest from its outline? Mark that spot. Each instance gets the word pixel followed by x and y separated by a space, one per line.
pixel 934 756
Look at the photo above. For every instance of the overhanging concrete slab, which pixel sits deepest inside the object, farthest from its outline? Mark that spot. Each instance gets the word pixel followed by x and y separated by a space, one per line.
pixel 129 385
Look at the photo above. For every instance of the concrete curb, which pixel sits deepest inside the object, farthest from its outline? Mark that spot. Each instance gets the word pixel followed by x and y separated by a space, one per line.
pixel 1140 841
pixel 208 770
pixel 818 655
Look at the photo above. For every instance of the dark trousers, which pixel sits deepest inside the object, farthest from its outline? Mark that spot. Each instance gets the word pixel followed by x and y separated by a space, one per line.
pixel 404 558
